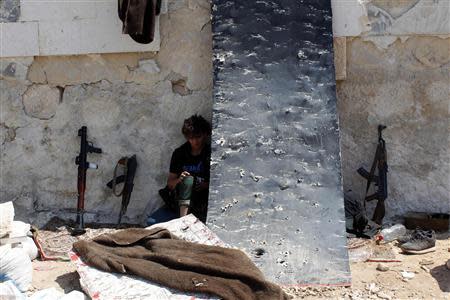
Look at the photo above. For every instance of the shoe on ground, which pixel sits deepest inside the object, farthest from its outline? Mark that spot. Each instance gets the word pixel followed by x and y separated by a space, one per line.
pixel 405 238
pixel 408 236
pixel 421 242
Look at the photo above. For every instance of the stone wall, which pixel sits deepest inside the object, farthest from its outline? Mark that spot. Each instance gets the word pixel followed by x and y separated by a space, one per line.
pixel 66 27
pixel 392 64
pixel 405 87
pixel 132 103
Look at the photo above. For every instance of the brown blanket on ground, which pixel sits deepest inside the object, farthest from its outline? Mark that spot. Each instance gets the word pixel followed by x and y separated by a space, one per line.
pixel 158 256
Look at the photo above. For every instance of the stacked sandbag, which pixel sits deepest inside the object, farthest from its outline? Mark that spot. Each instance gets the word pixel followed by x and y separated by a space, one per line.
pixel 6 218
pixel 17 249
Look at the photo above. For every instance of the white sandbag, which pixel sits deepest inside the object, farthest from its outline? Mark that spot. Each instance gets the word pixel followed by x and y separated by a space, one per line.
pixel 53 294
pixel 16 265
pixel 6 218
pixel 4 249
pixel 47 294
pixel 74 295
pixel 10 292
pixel 19 228
pixel 22 229
pixel 30 248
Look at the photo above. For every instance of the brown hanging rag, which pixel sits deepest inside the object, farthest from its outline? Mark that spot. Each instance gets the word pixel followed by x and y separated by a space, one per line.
pixel 158 256
pixel 138 17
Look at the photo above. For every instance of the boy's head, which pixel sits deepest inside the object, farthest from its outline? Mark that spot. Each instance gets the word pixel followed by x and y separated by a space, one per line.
pixel 196 126
pixel 196 130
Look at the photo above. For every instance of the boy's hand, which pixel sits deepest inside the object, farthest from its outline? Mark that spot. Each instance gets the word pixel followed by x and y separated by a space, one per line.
pixel 183 175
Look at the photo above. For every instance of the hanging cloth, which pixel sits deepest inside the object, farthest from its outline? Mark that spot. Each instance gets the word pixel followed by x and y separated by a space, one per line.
pixel 139 17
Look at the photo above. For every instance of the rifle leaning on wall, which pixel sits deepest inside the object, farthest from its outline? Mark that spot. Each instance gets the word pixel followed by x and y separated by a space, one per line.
pixel 129 165
pixel 380 163
pixel 83 165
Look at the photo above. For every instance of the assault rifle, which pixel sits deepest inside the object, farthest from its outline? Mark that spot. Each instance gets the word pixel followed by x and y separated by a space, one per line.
pixel 129 164
pixel 379 162
pixel 83 165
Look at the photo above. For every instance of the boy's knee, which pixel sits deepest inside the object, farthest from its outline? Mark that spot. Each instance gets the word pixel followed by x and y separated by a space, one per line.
pixel 184 202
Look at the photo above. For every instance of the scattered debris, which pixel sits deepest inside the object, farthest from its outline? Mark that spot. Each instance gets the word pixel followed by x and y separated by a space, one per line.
pixel 407 275
pixel 383 295
pixel 382 267
pixel 425 268
pixel 426 262
pixel 372 287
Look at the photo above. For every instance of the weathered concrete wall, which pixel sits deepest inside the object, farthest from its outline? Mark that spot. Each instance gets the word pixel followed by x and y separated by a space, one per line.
pixel 135 103
pixel 393 69
pixel 405 87
pixel 66 27
pixel 132 103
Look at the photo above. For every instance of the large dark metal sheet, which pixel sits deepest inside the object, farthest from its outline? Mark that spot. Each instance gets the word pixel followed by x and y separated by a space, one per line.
pixel 276 184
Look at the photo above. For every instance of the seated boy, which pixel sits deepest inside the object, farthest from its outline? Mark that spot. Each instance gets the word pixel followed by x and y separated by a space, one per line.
pixel 192 159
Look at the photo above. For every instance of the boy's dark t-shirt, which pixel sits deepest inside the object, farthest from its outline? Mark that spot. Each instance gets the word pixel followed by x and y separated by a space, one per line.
pixel 198 166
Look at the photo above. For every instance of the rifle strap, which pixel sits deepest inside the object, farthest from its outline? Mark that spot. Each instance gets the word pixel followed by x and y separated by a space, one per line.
pixel 119 179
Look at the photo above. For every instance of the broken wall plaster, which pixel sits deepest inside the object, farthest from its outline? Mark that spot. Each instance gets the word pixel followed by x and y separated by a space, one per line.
pixel 393 17
pixel 393 87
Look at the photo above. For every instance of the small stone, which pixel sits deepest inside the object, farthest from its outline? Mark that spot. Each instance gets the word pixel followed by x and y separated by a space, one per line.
pixel 372 287
pixel 407 275
pixel 382 267
pixel 425 269
pixel 426 262
pixel 41 101
pixel 383 295
pixel 448 264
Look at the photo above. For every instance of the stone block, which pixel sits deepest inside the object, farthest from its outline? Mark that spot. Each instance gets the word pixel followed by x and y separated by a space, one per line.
pixel 41 101
pixel 15 68
pixel 62 10
pixel 340 57
pixel 19 39
pixel 405 87
pixel 60 37
pixel 396 17
pixel 9 10
pixel 190 28
pixel 349 18
pixel 105 36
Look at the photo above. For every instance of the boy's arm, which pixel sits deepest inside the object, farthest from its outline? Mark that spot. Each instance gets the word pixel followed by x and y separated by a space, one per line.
pixel 174 179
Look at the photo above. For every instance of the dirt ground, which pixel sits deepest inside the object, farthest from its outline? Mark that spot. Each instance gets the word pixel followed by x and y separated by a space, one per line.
pixel 431 278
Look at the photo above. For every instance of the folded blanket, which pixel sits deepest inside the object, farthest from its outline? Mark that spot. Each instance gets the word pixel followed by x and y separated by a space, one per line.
pixel 160 257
